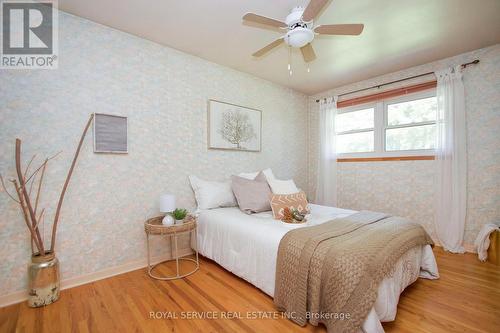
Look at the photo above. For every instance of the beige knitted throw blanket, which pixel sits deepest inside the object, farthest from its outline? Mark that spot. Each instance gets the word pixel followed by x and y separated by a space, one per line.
pixel 331 272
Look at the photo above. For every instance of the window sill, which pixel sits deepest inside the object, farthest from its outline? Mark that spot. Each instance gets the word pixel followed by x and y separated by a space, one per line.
pixel 387 158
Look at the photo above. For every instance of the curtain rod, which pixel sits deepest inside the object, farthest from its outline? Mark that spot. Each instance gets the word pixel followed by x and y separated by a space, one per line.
pixel 400 80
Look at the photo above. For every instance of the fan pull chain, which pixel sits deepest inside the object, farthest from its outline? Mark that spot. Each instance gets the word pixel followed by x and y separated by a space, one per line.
pixel 290 60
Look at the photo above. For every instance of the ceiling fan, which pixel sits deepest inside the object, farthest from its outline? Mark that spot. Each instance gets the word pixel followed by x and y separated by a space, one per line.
pixel 300 30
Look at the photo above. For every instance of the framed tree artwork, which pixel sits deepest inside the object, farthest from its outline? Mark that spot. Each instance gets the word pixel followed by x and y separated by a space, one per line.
pixel 234 127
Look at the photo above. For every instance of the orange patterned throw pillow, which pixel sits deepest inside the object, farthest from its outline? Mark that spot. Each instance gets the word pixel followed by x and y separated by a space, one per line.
pixel 296 201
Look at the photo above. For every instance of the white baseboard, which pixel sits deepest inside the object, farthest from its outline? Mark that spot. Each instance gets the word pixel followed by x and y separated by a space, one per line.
pixel 20 296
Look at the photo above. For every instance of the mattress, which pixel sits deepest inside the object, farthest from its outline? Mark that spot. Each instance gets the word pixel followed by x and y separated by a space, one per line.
pixel 247 245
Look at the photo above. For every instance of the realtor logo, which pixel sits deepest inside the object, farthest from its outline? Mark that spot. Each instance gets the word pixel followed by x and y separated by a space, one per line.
pixel 29 34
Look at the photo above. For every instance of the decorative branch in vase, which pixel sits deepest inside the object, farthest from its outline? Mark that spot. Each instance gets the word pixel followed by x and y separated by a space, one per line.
pixel 43 271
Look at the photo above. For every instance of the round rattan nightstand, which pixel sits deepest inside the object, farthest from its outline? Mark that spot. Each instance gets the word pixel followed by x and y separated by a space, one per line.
pixel 153 226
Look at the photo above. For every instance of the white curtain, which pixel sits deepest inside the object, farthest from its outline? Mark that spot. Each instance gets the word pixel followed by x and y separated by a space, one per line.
pixel 326 186
pixel 451 160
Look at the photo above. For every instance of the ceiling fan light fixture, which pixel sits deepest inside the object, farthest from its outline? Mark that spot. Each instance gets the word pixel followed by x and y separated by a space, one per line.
pixel 300 30
pixel 299 37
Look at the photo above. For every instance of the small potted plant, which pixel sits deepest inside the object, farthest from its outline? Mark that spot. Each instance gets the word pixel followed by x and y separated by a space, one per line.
pixel 179 215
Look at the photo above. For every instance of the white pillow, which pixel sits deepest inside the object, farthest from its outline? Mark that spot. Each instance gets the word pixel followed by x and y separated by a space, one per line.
pixel 283 186
pixel 211 194
pixel 248 175
pixel 269 174
pixel 251 175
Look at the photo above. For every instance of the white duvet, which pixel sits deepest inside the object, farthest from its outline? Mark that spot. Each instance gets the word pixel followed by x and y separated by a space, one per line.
pixel 247 245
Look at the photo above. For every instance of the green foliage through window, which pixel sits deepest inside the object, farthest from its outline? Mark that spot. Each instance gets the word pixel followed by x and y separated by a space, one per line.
pixel 405 124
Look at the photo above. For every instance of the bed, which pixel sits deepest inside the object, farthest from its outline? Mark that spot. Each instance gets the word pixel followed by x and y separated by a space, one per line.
pixel 247 245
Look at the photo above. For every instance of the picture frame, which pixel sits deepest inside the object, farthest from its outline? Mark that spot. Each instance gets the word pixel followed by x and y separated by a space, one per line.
pixel 233 127
pixel 110 134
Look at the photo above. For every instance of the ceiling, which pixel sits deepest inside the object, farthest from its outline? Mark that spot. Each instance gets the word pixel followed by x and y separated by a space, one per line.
pixel 398 34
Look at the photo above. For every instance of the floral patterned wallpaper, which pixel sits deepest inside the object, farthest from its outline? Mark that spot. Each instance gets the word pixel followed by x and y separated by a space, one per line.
pixel 406 188
pixel 164 94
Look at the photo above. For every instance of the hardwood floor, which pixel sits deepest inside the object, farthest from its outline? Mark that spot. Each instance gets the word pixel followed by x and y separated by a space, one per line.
pixel 465 299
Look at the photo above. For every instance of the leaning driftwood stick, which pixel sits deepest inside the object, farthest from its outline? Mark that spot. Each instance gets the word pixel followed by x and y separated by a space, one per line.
pixel 28 166
pixel 70 172
pixel 31 185
pixel 38 222
pixel 5 190
pixel 26 218
pixel 38 169
pixel 40 218
pixel 24 192
pixel 40 184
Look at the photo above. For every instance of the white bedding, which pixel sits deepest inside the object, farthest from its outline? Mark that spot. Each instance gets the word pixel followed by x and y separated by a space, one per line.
pixel 247 245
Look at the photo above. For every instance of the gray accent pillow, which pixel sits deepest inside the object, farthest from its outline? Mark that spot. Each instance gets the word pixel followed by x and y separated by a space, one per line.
pixel 252 195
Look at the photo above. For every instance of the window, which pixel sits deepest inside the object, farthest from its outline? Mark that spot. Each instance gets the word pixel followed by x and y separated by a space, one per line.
pixel 401 126
pixel 411 125
pixel 355 131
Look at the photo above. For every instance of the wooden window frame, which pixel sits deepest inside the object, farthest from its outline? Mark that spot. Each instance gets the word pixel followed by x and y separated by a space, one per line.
pixel 386 95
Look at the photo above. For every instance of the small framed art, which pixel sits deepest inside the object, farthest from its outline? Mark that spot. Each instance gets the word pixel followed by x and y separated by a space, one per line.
pixel 110 134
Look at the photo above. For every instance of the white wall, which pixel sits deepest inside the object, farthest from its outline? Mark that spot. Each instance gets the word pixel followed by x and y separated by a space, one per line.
pixel 406 188
pixel 164 94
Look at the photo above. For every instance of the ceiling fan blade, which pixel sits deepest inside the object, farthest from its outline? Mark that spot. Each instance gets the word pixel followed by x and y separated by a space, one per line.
pixel 251 17
pixel 340 29
pixel 308 53
pixel 312 10
pixel 268 47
